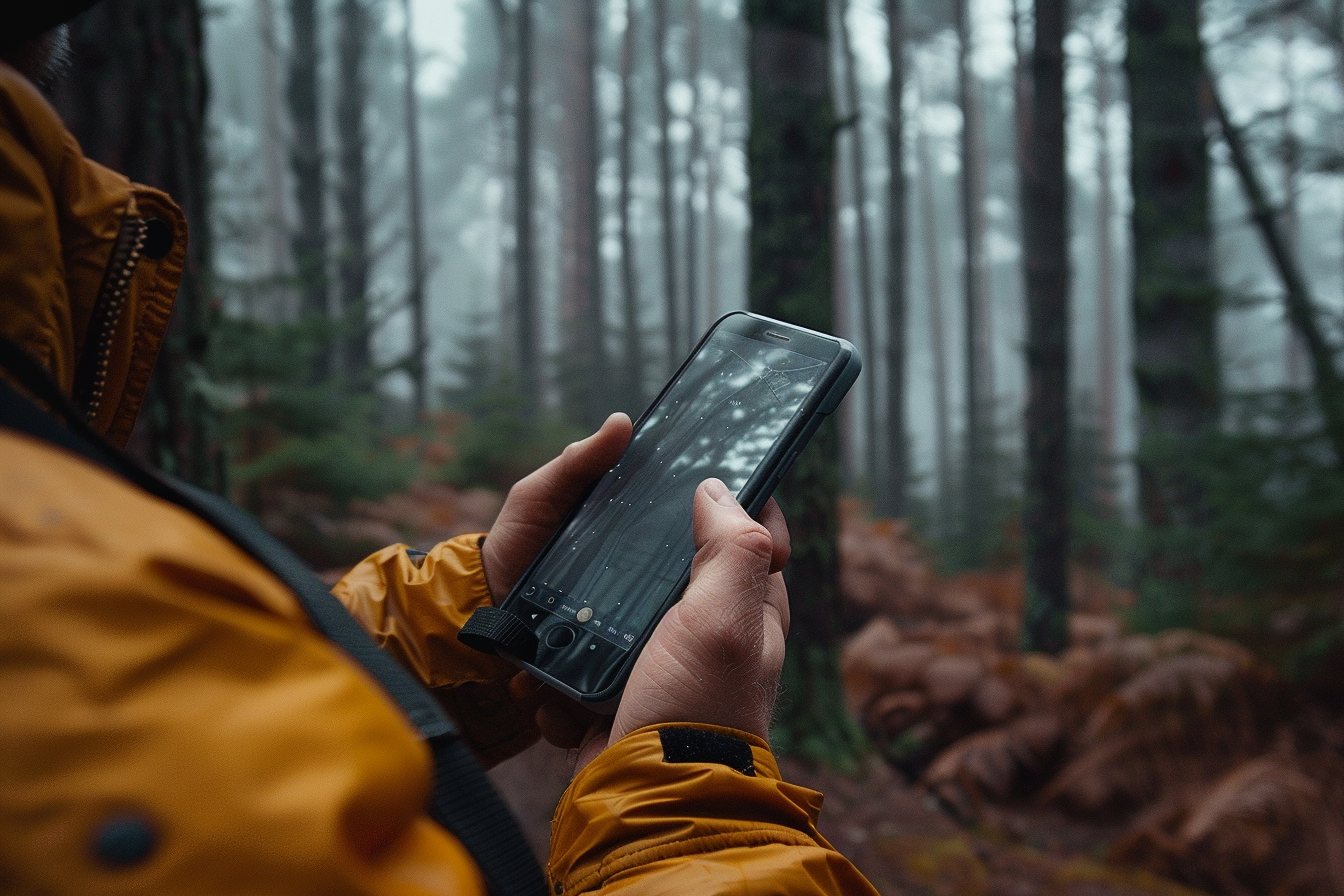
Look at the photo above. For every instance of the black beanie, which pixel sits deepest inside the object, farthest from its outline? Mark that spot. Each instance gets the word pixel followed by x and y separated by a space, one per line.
pixel 22 20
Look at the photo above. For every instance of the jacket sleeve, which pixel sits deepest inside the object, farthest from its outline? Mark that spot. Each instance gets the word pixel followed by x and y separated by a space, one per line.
pixel 692 809
pixel 414 609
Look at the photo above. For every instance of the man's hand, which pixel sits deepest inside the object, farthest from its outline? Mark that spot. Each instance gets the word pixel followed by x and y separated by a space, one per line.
pixel 716 656
pixel 537 503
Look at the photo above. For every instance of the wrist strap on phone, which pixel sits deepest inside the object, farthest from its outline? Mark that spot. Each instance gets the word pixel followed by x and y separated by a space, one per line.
pixel 492 630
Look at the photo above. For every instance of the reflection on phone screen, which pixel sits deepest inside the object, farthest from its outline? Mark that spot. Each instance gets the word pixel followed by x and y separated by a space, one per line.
pixel 633 535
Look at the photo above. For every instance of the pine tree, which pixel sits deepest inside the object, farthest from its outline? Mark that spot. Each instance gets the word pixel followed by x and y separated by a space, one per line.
pixel 673 321
pixel 1176 299
pixel 789 157
pixel 352 193
pixel 1045 521
pixel 634 366
pixel 417 273
pixel 309 239
pixel 892 499
pixel 978 479
pixel 528 344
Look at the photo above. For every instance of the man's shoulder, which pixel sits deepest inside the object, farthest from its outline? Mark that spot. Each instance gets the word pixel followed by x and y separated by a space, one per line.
pixel 66 519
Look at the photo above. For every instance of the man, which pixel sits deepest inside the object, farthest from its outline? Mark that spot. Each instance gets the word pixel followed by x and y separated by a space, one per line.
pixel 173 721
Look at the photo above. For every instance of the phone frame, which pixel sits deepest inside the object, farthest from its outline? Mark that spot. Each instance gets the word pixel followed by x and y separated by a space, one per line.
pixel 601 690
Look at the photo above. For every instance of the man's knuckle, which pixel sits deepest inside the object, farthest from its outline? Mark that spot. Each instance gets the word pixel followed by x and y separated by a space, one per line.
pixel 755 541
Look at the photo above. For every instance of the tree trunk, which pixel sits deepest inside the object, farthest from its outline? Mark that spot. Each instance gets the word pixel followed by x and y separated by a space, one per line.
pixel 309 241
pixel 415 224
pixel 713 177
pixel 1108 390
pixel 789 163
pixel 281 303
pixel 867 339
pixel 671 300
pixel 1291 154
pixel 1175 303
pixel 1045 521
pixel 695 322
pixel 528 348
pixel 942 391
pixel 892 497
pixel 135 100
pixel 1022 101
pixel 633 386
pixel 584 374
pixel 352 193
pixel 979 485
pixel 505 163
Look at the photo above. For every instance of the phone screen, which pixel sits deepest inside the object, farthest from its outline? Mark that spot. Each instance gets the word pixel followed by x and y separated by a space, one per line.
pixel 633 535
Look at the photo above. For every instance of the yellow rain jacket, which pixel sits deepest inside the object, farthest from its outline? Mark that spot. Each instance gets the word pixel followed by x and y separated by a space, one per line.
pixel 170 720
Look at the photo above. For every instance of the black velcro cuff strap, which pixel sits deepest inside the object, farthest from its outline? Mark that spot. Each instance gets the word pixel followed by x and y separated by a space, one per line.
pixel 698 745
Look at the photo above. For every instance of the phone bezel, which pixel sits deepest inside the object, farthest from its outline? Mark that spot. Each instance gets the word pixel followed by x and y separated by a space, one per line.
pixel 590 668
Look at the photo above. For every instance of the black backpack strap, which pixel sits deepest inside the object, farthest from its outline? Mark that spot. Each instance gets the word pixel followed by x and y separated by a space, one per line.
pixel 463 800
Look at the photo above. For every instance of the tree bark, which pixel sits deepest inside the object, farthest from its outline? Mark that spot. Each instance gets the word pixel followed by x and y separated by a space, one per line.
pixel 671 300
pixel 979 485
pixel 309 241
pixel 528 347
pixel 892 497
pixel 867 330
pixel 1175 303
pixel 789 154
pixel 1045 521
pixel 136 99
pixel 633 386
pixel 584 374
pixel 352 193
pixel 415 295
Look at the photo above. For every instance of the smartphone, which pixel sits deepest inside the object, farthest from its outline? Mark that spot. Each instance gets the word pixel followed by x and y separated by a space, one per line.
pixel 740 409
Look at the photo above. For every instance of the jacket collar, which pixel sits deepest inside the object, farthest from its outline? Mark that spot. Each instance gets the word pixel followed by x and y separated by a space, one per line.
pixel 76 291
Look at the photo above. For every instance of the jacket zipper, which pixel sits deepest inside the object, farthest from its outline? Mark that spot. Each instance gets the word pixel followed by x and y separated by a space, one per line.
pixel 91 376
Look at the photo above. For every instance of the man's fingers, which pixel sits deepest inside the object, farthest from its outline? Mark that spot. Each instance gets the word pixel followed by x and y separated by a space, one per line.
pixel 720 523
pixel 773 520
pixel 561 482
pixel 731 566
pixel 561 721
pixel 538 502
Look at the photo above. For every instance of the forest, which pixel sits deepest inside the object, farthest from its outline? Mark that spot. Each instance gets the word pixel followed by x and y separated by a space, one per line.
pixel 1068 567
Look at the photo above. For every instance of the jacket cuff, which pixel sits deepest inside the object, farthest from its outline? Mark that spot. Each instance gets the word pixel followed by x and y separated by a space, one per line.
pixel 414 608
pixel 676 791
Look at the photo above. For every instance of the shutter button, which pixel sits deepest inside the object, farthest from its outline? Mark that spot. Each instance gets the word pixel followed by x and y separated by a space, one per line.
pixel 125 840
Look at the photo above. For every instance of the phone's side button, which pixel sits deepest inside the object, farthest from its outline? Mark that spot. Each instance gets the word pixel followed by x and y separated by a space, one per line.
pixel 560 637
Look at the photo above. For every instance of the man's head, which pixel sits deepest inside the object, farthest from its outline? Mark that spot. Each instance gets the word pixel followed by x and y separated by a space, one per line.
pixel 33 38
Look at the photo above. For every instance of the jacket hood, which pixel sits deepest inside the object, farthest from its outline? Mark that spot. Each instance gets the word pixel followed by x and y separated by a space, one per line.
pixel 89 262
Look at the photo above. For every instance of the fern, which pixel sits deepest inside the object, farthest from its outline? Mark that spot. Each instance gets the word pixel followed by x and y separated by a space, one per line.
pixel 996 762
